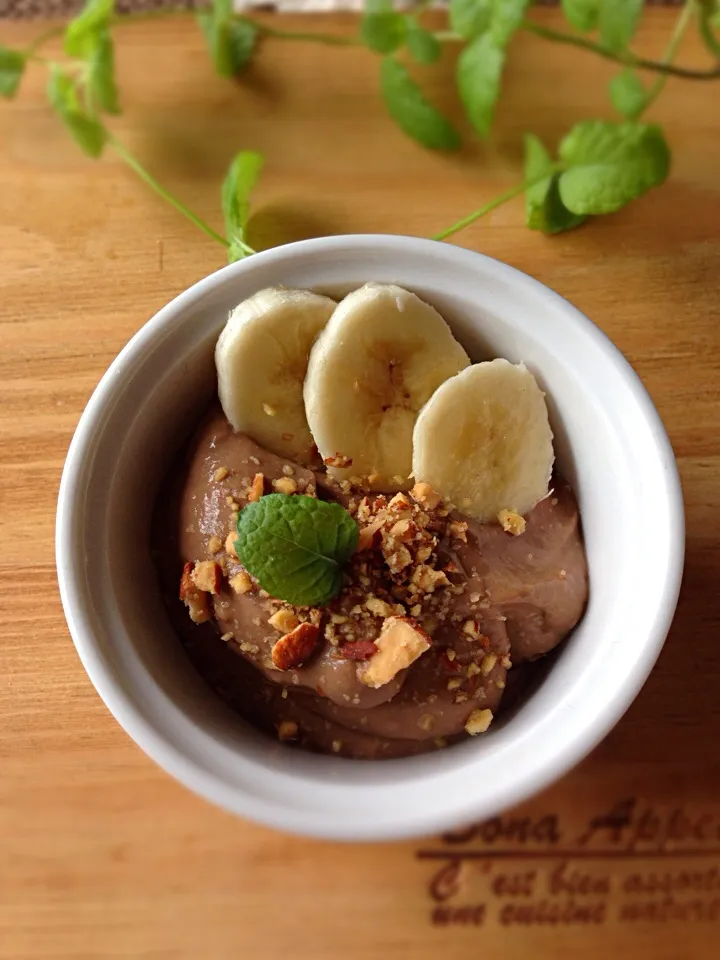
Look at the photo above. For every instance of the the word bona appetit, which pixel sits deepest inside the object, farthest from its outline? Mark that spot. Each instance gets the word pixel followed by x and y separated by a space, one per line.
pixel 626 825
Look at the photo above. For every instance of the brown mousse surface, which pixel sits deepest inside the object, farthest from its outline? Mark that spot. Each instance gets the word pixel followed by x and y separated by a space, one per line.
pixel 485 599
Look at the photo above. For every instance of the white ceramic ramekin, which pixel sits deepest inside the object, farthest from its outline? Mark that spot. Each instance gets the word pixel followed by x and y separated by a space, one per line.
pixel 610 443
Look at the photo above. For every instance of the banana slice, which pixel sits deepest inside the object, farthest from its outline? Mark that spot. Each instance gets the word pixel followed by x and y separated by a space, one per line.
pixel 484 442
pixel 261 358
pixel 377 362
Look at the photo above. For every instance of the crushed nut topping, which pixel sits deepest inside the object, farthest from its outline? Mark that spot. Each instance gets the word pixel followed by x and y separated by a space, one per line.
pixel 478 722
pixel 207 576
pixel 424 493
pixel 296 647
pixel 488 663
pixel 241 583
pixel 285 485
pixel 512 522
pixel 400 643
pixel 338 460
pixel 220 473
pixel 284 620
pixel 268 410
pixel 257 488
pixel 230 544
pixel 195 599
pixel 287 730
pixel 214 545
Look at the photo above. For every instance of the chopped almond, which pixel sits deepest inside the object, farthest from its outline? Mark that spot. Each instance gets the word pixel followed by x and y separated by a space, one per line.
pixel 214 544
pixel 426 579
pixel 379 607
pixel 256 488
pixel 458 529
pixel 358 649
pixel 195 599
pixel 207 576
pixel 424 493
pixel 402 530
pixel 284 620
pixel 287 730
pixel 399 502
pixel 369 536
pixel 220 473
pixel 338 460
pixel 512 522
pixel 488 664
pixel 285 485
pixel 268 410
pixel 400 643
pixel 230 544
pixel 296 647
pixel 241 583
pixel 478 722
pixel 471 629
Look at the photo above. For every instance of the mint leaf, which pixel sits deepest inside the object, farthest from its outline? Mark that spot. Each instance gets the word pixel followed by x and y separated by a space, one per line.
pixel 507 16
pixel 239 183
pixel 470 18
pixel 86 129
pixel 12 67
pixel 609 164
pixel 383 32
pixel 582 14
pixel 94 16
pixel 618 22
pixel 627 94
pixel 412 112
pixel 243 39
pixel 423 46
pixel 101 72
pixel 544 209
pixel 296 547
pixel 231 42
pixel 479 72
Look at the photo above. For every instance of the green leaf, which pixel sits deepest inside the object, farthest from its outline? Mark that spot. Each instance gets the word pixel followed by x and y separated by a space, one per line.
pixel 383 32
pixel 94 16
pixel 627 94
pixel 609 164
pixel 423 46
pixel 63 97
pixel 544 209
pixel 470 18
pixel 231 42
pixel 243 39
pixel 101 73
pixel 12 67
pixel 618 22
pixel 479 72
pixel 236 191
pixel 415 115
pixel 507 16
pixel 582 14
pixel 296 547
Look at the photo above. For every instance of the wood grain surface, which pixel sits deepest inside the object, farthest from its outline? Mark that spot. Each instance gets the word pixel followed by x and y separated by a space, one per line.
pixel 104 856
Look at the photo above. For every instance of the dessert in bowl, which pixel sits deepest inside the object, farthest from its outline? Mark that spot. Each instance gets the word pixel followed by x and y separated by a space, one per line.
pixel 609 446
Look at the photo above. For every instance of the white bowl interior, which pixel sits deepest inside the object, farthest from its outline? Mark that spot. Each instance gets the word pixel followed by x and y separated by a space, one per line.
pixel 610 445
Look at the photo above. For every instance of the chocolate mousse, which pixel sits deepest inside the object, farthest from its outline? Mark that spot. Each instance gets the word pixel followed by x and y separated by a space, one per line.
pixel 413 652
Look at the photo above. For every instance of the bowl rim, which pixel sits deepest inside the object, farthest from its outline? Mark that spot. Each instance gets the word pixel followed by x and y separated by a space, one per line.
pixel 160 749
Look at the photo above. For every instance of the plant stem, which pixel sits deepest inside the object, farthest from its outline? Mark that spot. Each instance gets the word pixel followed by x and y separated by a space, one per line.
pixel 681 25
pixel 625 57
pixel 148 178
pixel 328 39
pixel 488 207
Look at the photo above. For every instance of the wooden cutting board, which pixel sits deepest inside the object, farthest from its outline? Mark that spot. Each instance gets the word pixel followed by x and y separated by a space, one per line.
pixel 104 856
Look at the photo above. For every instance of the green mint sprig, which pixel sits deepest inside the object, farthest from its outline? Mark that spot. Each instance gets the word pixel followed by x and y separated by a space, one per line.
pixel 296 547
pixel 590 176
